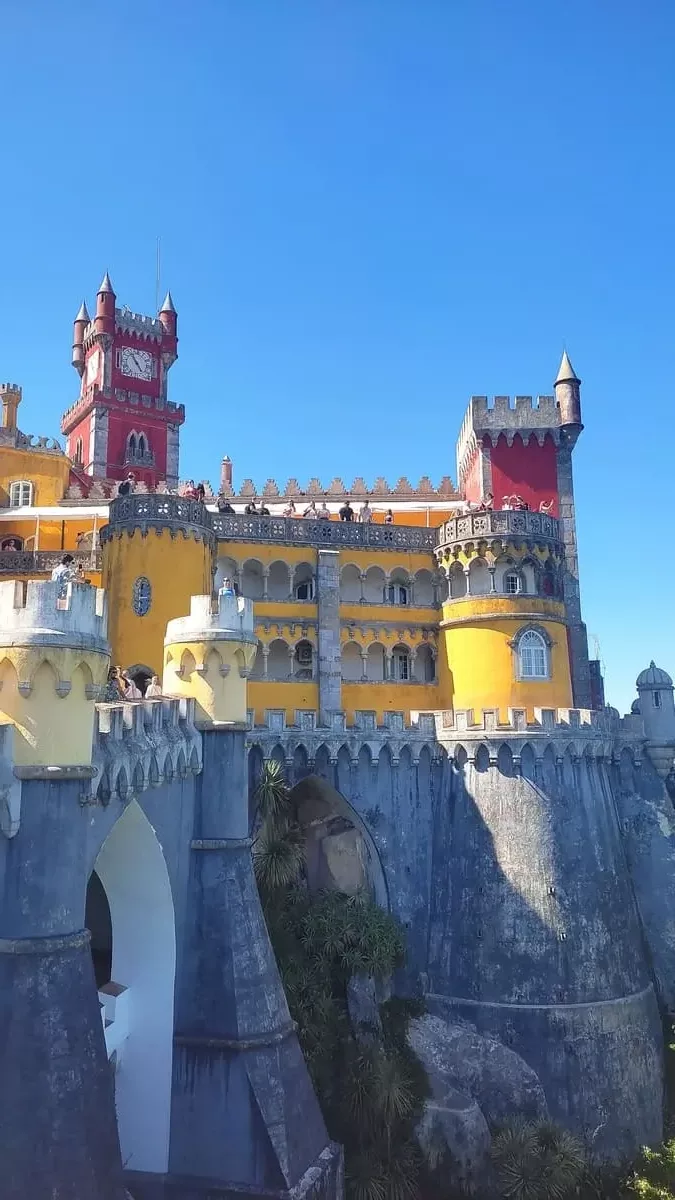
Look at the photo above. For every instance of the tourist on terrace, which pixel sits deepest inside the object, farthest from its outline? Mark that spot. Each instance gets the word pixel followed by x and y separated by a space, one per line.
pixel 190 492
pixel 113 691
pixel 521 505
pixel 227 588
pixel 251 510
pixel 389 517
pixel 487 504
pixel 346 512
pixel 506 503
pixel 64 573
pixel 324 512
pixel 263 511
pixel 545 506
pixel 311 512
pixel 200 492
pixel 289 510
pixel 131 690
pixel 127 485
pixel 365 514
pixel 225 507
pixel 154 689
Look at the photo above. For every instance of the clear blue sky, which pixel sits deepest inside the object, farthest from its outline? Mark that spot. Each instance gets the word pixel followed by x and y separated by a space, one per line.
pixel 369 210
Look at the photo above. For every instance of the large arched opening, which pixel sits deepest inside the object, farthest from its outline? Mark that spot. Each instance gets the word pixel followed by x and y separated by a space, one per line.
pixel 130 914
pixel 341 854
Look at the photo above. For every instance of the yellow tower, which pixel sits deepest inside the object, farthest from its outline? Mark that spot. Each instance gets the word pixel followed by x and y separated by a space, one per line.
pixel 54 657
pixel 157 553
pixel 504 632
pixel 209 655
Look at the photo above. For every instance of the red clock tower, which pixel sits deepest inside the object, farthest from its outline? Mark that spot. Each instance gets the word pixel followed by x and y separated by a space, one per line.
pixel 122 420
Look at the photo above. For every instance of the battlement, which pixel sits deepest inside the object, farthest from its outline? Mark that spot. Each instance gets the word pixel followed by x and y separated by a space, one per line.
pixel 546 720
pixel 527 416
pixel 42 613
pixel 231 620
pixel 142 745
pixel 138 323
pixel 11 389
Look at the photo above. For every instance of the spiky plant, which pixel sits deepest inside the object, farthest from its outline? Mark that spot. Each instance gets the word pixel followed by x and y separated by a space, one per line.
pixel 278 857
pixel 537 1161
pixel 272 795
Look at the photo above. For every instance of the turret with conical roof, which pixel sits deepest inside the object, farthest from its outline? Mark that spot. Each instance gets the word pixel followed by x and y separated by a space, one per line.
pixel 167 315
pixel 104 321
pixel 79 325
pixel 568 395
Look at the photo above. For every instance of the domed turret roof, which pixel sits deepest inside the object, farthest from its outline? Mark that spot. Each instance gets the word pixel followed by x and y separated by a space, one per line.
pixel 653 677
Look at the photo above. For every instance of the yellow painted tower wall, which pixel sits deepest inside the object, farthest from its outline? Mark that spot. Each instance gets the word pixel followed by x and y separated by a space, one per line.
pixel 177 567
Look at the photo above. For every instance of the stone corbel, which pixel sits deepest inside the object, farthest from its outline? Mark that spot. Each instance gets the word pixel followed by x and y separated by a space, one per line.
pixel 224 669
pixel 62 688
pixel 24 689
pixel 245 672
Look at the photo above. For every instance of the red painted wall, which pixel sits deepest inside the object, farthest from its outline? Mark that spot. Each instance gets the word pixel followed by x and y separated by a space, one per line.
pixel 472 480
pixel 119 427
pixel 530 471
pixel 80 431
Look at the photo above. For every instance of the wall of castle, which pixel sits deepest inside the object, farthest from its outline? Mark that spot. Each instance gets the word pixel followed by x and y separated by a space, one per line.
pixel 49 474
pixel 528 470
pixel 140 419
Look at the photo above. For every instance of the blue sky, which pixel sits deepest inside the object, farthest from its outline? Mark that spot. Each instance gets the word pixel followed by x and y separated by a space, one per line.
pixel 368 210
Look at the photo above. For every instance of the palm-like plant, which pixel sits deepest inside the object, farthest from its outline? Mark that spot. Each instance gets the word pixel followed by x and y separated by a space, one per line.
pixel 278 857
pixel 537 1162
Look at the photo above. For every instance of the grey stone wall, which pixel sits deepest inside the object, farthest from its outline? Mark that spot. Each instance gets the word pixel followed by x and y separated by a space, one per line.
pixel 328 602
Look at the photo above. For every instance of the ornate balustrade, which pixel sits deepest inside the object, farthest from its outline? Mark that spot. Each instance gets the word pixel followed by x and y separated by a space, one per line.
pixel 42 562
pixel 306 532
pixel 501 524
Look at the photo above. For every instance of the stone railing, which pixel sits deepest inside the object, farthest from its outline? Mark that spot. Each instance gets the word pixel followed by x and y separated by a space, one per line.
pixel 159 511
pixel 42 562
pixel 499 523
pixel 304 531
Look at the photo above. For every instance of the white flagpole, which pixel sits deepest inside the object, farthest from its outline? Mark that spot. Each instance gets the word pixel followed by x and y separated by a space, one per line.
pixel 92 556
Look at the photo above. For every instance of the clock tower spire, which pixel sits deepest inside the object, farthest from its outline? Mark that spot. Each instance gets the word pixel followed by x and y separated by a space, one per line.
pixel 123 420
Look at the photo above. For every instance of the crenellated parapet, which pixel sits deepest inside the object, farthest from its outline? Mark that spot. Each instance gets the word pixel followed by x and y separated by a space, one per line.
pixel 142 745
pixel 311 736
pixel 526 417
pixel 573 731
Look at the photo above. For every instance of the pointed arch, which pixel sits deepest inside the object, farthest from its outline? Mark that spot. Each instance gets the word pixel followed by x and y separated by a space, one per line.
pixel 187 664
pixel 482 759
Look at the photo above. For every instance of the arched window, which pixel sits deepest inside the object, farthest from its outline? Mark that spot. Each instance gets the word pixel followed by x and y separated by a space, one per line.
pixel 512 583
pixel 304 653
pixel 532 655
pixel 142 596
pixel 79 450
pixel 142 446
pixel 397 593
pixel 400 663
pixel 131 445
pixel 20 493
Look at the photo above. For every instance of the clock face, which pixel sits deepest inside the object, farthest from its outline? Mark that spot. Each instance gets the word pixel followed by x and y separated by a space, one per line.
pixel 92 366
pixel 136 363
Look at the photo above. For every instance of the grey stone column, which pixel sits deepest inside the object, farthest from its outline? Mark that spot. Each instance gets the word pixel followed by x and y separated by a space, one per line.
pixel 244 1113
pixel 58 1130
pixel 330 659
pixel 578 640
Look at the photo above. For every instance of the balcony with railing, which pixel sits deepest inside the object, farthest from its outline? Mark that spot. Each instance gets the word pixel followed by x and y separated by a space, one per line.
pixel 304 531
pixel 499 524
pixel 42 562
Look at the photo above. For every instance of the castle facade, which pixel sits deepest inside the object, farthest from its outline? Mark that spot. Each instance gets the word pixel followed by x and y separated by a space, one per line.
pixel 423 676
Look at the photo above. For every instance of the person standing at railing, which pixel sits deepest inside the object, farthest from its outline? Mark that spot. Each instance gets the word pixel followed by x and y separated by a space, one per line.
pixel 127 485
pixel 365 514
pixel 289 510
pixel 154 689
pixel 311 512
pixel 346 512
pixel 251 510
pixel 389 517
pixel 324 512
pixel 225 507
pixel 64 573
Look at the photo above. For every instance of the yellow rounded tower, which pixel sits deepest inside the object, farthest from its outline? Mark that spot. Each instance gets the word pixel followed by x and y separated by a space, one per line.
pixel 54 657
pixel 209 655
pixel 504 631
pixel 157 554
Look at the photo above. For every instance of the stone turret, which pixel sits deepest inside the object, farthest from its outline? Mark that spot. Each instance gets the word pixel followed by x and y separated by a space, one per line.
pixel 657 708
pixel 209 656
pixel 79 325
pixel 55 656
pixel 568 397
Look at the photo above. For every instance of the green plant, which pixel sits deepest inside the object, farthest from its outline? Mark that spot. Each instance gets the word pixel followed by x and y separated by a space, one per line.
pixel 372 1096
pixel 654 1175
pixel 537 1162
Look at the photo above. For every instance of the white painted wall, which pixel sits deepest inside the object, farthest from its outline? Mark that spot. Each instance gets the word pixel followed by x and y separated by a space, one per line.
pixel 133 872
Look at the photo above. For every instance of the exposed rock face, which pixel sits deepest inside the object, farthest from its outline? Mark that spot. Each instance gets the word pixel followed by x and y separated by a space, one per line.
pixel 453 1122
pixel 457 1057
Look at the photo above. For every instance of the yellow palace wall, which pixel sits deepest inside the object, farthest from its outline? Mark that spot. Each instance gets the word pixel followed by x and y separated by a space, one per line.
pixel 477 665
pixel 49 474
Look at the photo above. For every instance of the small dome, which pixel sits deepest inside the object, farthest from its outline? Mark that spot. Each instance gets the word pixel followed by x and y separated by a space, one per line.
pixel 653 677
pixel 635 706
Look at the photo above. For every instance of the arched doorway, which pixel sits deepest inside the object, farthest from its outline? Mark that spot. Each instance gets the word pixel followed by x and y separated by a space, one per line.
pixel 341 854
pixel 141 943
pixel 141 675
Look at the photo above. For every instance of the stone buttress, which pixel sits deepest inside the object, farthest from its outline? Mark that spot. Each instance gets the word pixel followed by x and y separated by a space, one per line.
pixel 58 1133
pixel 238 1068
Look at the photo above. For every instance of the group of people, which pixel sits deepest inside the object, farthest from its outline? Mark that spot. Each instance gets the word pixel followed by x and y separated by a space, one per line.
pixel 512 503
pixel 120 686
pixel 312 512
